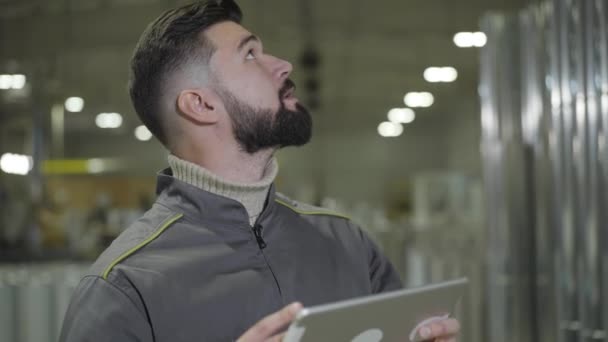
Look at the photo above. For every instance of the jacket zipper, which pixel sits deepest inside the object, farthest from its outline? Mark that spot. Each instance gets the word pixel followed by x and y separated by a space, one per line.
pixel 257 231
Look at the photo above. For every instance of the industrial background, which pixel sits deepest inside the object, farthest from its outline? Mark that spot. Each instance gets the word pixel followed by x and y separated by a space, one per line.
pixel 469 138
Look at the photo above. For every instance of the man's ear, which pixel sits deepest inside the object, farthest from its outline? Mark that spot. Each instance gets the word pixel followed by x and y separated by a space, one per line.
pixel 198 105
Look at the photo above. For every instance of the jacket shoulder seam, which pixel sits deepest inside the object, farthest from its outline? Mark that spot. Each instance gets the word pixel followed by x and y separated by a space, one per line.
pixel 117 288
pixel 157 232
pixel 320 211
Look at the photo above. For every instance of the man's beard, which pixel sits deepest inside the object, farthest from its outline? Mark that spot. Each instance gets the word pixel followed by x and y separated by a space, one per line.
pixel 256 129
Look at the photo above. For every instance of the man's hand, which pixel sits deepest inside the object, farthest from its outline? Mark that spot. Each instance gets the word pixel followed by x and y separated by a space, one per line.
pixel 441 331
pixel 266 329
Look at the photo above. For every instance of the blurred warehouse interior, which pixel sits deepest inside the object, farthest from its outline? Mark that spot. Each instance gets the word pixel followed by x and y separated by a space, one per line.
pixel 467 137
pixel 353 63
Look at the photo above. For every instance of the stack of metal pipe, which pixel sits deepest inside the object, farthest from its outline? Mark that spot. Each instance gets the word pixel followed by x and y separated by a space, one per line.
pixel 544 95
pixel 34 299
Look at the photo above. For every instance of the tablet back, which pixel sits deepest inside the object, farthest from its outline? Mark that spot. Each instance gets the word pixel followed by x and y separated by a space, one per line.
pixel 386 317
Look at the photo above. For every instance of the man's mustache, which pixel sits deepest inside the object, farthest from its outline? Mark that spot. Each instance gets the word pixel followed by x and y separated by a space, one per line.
pixel 287 86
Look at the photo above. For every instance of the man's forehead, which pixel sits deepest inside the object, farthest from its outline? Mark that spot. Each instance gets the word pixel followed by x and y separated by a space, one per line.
pixel 226 34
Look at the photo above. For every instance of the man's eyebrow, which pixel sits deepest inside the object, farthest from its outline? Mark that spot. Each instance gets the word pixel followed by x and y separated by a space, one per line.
pixel 246 40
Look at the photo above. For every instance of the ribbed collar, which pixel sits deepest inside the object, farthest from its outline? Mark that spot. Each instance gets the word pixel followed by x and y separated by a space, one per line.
pixel 251 196
pixel 201 206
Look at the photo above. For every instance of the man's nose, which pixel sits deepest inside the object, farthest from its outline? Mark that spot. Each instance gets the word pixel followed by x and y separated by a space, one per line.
pixel 281 69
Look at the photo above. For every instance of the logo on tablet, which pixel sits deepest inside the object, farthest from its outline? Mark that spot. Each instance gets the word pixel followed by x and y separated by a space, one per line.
pixel 371 335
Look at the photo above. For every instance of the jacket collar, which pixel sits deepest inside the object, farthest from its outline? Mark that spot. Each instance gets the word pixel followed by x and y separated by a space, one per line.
pixel 202 206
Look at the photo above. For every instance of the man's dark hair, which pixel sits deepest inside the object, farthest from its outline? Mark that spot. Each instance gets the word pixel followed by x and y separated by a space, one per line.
pixel 169 42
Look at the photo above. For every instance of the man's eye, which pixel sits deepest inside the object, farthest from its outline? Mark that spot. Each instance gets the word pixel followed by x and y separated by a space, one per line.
pixel 250 55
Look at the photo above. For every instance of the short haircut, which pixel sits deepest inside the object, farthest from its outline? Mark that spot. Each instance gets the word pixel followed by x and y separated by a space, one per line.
pixel 168 43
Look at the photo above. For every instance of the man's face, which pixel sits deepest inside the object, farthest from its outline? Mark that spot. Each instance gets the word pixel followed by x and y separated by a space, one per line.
pixel 256 91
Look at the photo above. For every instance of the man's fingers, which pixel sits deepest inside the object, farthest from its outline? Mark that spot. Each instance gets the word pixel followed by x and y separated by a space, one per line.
pixel 442 329
pixel 265 328
pixel 270 324
pixel 451 326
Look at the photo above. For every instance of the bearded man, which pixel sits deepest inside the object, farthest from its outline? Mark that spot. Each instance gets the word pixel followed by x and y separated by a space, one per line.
pixel 221 255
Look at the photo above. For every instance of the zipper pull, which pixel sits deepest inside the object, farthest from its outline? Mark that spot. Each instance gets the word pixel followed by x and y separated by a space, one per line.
pixel 257 231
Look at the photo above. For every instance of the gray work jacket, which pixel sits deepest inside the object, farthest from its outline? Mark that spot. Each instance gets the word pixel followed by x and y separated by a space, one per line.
pixel 193 269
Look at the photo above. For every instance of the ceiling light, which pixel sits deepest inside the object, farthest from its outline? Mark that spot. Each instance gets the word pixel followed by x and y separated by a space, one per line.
pixel 16 164
pixel 74 104
pixel 470 39
pixel 463 39
pixel 390 129
pixel 418 99
pixel 440 74
pixel 433 74
pixel 18 81
pixel 6 81
pixel 108 120
pixel 449 74
pixel 479 39
pixel 142 133
pixel 401 115
pixel 95 165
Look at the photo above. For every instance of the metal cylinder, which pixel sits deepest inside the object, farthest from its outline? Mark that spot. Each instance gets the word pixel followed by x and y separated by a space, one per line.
pixel 35 306
pixel 7 305
pixel 544 96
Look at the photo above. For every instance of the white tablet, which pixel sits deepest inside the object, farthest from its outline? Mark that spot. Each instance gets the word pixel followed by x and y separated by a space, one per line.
pixel 386 317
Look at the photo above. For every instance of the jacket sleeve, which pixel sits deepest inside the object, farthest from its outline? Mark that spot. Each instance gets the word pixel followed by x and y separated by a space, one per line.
pixel 382 273
pixel 99 312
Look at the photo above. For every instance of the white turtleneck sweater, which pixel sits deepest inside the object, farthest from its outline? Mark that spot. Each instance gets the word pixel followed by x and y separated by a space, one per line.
pixel 252 196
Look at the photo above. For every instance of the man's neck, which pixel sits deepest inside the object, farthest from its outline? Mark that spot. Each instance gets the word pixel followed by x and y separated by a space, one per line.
pixel 251 195
pixel 233 166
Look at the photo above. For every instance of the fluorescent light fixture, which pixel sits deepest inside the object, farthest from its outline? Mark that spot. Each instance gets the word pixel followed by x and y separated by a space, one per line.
pixel 142 133
pixel 401 115
pixel 108 120
pixel 463 39
pixel 18 81
pixel 479 39
pixel 74 104
pixel 95 165
pixel 6 81
pixel 418 99
pixel 440 74
pixel 16 164
pixel 470 39
pixel 390 129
